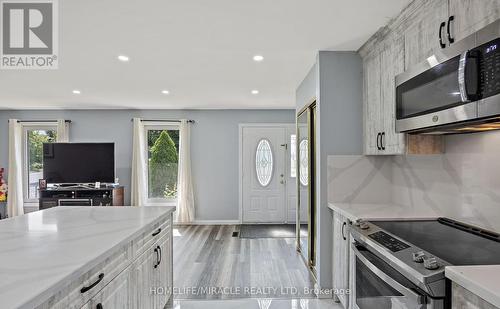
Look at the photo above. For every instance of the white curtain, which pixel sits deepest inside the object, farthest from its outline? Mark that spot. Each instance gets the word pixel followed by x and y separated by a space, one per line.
pixel 15 200
pixel 62 131
pixel 139 168
pixel 185 195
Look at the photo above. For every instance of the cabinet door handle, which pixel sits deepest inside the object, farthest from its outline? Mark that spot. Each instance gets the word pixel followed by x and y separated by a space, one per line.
pixel 86 288
pixel 99 306
pixel 157 257
pixel 378 141
pixel 159 249
pixel 448 29
pixel 382 140
pixel 441 27
pixel 343 227
pixel 157 232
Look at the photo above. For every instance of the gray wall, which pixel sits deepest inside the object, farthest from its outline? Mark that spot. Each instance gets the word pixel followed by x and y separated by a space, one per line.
pixel 337 82
pixel 214 146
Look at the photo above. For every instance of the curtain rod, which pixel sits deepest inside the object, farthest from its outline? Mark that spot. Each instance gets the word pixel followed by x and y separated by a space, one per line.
pixel 164 120
pixel 68 121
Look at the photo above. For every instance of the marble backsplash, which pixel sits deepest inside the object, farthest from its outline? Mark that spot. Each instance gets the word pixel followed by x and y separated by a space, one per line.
pixel 463 183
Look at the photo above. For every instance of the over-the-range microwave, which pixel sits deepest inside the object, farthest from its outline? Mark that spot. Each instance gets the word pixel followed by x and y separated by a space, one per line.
pixel 457 90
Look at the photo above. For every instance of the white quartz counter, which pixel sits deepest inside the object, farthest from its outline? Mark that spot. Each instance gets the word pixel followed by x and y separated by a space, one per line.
pixel 40 252
pixel 382 212
pixel 481 280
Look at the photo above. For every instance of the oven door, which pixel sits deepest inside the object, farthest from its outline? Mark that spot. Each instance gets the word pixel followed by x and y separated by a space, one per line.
pixel 443 94
pixel 378 285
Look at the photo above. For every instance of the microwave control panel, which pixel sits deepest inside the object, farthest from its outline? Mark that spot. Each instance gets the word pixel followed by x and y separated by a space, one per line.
pixel 490 68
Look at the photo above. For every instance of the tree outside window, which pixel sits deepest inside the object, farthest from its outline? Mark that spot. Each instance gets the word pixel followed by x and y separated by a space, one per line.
pixel 163 159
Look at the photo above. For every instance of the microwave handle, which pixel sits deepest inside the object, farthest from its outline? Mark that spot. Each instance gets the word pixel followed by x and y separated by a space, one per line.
pixel 462 64
pixel 420 299
pixel 468 77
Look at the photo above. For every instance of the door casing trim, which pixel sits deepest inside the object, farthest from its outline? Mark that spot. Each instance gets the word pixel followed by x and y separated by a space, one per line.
pixel 241 126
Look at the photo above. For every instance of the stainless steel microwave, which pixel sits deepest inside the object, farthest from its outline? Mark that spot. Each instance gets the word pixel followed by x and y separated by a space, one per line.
pixel 457 90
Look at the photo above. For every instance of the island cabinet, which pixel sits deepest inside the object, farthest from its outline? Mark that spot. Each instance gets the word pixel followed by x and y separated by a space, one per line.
pixel 465 299
pixel 341 249
pixel 138 275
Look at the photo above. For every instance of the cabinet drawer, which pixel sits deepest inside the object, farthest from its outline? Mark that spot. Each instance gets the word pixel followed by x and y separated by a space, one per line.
pixel 80 291
pixel 147 239
pixel 115 295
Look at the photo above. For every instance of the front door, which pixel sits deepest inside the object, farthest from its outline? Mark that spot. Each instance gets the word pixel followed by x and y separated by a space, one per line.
pixel 265 162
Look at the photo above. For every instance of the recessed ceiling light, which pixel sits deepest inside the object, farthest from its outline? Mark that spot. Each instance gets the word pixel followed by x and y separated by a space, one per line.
pixel 258 58
pixel 255 91
pixel 76 91
pixel 165 92
pixel 123 58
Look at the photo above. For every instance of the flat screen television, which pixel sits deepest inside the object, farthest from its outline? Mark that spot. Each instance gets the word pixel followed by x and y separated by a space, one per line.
pixel 75 163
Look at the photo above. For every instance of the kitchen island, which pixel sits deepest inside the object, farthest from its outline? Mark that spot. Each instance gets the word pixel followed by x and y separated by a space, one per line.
pixel 87 257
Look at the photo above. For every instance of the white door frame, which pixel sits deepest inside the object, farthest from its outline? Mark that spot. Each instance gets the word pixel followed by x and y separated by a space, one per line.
pixel 241 126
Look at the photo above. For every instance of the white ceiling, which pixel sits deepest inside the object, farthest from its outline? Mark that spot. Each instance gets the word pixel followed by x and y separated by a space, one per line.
pixel 199 50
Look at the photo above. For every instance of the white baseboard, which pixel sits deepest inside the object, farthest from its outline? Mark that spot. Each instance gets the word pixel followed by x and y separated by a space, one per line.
pixel 211 222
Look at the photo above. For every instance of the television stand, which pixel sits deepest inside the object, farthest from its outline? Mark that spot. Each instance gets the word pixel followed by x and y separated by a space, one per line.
pixel 80 196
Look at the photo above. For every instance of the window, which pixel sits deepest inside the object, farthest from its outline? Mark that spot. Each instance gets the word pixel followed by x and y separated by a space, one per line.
pixel 264 162
pixel 163 159
pixel 34 136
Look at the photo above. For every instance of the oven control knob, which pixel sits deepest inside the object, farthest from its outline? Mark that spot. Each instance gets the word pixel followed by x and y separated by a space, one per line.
pixel 431 263
pixel 418 257
pixel 363 225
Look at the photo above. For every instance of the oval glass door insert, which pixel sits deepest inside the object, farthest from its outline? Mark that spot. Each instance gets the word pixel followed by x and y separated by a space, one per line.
pixel 264 162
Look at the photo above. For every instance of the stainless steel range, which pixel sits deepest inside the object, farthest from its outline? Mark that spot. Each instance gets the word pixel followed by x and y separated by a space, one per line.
pixel 400 264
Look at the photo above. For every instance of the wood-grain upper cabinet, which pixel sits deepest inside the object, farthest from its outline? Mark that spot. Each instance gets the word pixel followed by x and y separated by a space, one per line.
pixel 392 64
pixel 341 243
pixel 373 120
pixel 421 31
pixel 380 70
pixel 471 15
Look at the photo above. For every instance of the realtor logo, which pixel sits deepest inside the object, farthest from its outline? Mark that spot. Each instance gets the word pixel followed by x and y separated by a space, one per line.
pixel 29 36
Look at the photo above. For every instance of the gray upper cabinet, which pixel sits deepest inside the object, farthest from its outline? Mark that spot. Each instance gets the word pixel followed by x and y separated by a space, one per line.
pixel 471 15
pixel 422 28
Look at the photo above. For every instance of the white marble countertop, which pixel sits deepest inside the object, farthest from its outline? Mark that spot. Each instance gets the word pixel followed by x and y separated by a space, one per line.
pixel 382 212
pixel 40 252
pixel 481 280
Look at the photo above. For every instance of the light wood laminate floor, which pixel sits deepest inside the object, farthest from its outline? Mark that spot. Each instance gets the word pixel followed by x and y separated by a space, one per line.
pixel 209 263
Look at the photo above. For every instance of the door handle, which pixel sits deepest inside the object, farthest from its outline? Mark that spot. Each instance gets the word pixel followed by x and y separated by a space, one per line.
pixel 99 306
pixel 441 27
pixel 159 249
pixel 378 142
pixel 448 29
pixel 382 140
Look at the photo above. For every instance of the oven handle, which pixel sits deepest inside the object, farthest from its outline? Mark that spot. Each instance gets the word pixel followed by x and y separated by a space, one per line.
pixel 418 298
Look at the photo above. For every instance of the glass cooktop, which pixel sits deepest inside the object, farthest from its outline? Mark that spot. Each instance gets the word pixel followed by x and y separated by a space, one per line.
pixel 448 242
